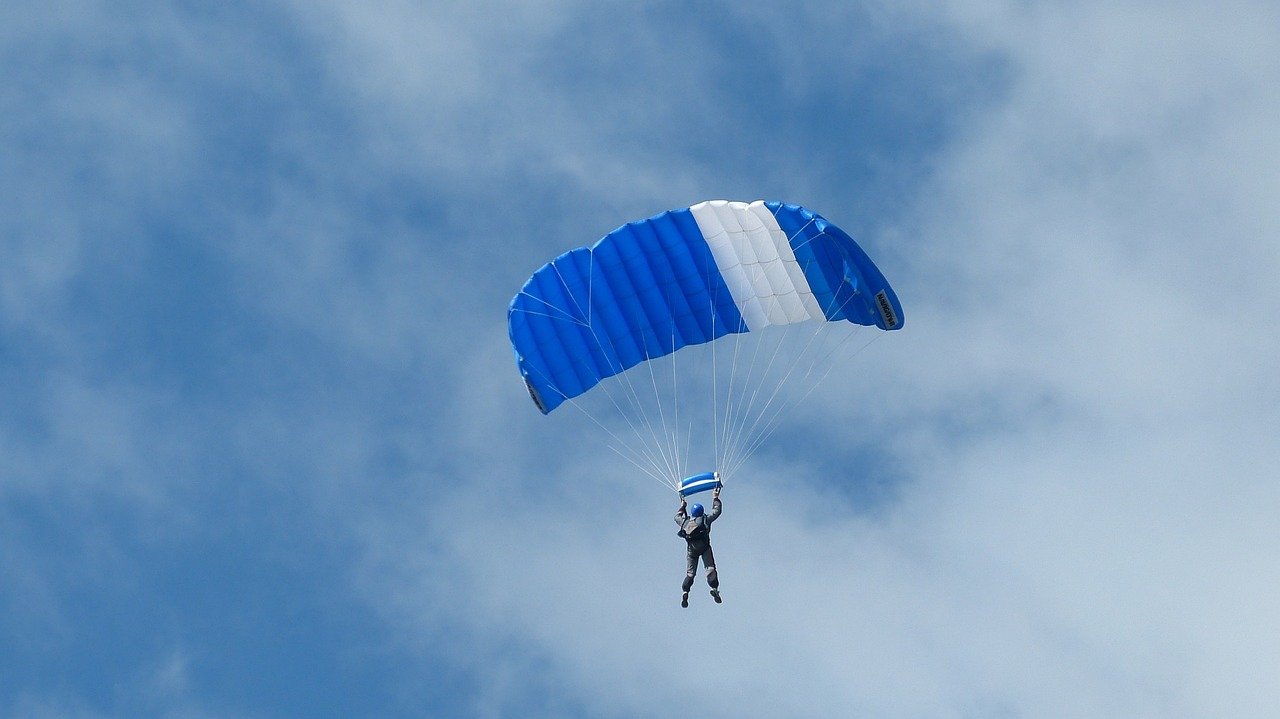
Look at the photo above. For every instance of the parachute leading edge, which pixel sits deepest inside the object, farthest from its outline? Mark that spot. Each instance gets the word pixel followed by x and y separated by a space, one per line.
pixel 687 277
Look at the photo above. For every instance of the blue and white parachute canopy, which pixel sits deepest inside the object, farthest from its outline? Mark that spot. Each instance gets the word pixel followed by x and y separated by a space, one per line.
pixel 686 277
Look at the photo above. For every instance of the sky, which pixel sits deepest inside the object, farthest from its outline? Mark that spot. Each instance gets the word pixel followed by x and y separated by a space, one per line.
pixel 264 451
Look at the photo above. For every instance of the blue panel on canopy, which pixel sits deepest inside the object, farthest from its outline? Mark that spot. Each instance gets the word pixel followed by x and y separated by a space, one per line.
pixel 643 291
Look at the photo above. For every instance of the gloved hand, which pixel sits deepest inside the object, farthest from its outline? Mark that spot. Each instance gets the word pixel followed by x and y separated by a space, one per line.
pixel 716 494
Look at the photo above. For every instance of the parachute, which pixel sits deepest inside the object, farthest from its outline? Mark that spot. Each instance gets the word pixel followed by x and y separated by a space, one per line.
pixel 683 278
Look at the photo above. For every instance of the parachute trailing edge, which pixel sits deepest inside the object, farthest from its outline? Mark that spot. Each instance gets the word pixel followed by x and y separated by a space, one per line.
pixel 686 277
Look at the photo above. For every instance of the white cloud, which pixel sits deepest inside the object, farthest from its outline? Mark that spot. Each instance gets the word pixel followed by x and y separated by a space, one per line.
pixel 1081 404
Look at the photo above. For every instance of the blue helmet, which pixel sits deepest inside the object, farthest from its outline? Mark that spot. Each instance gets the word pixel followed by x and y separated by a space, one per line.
pixel 696 510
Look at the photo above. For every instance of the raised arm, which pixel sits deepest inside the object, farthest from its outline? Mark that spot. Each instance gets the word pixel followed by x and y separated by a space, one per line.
pixel 715 508
pixel 681 513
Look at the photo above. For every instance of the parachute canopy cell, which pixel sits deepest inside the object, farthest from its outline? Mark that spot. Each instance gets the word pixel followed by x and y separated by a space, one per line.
pixel 685 277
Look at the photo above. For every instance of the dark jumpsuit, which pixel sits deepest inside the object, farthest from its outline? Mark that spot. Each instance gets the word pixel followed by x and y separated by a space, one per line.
pixel 699 546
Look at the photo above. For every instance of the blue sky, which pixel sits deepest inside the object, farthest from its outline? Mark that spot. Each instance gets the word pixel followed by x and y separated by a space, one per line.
pixel 264 452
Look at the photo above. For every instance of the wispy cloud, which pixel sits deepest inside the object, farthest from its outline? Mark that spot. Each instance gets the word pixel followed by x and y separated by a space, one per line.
pixel 1083 433
pixel 257 408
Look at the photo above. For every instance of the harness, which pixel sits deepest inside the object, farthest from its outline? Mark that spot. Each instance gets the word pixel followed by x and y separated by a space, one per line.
pixel 700 531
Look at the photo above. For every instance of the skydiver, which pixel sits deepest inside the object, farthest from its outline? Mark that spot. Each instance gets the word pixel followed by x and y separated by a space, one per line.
pixel 695 527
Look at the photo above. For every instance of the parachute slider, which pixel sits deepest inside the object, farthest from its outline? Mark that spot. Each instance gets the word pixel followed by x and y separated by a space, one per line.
pixel 700 483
